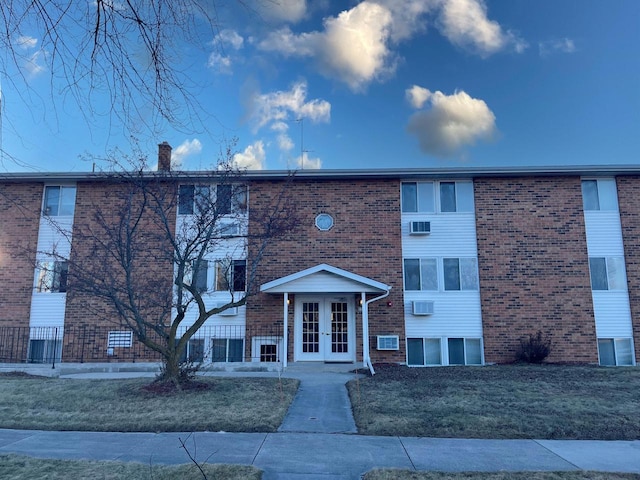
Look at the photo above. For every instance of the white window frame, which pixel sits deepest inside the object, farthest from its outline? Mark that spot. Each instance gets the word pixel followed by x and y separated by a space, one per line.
pixel 615 343
pixel 49 276
pixel 465 341
pixel 611 277
pixel 214 358
pixel 607 195
pixel 464 286
pixel 62 189
pixel 461 188
pixel 422 263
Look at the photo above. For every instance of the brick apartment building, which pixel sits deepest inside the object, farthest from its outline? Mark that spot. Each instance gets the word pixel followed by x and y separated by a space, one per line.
pixel 423 267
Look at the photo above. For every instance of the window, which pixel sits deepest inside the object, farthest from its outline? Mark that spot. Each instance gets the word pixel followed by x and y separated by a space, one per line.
pixel 607 273
pixel 52 277
pixel 193 199
pixel 227 350
pixel 59 201
pixel 231 273
pixel 456 197
pixel 231 199
pixel 460 274
pixel 453 197
pixel 600 194
pixel 418 197
pixel 464 351
pixel 193 352
pixel 201 276
pixel 268 353
pixel 423 351
pixel 44 351
pixel 615 351
pixel 420 274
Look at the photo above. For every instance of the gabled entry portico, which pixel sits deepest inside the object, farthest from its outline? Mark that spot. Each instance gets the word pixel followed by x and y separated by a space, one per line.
pixel 327 301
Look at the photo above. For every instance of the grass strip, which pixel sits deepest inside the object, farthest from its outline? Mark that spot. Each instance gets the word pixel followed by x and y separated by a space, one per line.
pixel 18 467
pixel 507 401
pixel 229 404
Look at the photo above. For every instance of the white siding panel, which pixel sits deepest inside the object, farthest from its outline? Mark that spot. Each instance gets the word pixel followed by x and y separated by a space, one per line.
pixel 612 313
pixel 55 235
pixel 212 300
pixel 47 309
pixel 604 235
pixel 457 314
pixel 451 234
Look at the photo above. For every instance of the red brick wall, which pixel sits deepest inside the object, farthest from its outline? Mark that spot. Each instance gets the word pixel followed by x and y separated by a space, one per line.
pixel 20 206
pixel 364 240
pixel 533 267
pixel 153 271
pixel 629 200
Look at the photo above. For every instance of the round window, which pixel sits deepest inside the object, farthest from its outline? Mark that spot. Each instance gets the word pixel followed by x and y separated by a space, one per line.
pixel 324 222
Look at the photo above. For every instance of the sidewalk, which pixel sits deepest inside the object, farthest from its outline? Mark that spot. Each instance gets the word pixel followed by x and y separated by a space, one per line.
pixel 318 439
pixel 328 456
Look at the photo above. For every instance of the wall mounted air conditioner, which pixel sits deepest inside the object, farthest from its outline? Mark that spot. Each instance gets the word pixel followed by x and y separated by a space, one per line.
pixel 420 228
pixel 423 307
pixel 388 342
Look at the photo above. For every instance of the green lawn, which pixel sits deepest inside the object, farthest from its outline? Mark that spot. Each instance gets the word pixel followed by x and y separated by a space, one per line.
pixel 230 404
pixel 507 401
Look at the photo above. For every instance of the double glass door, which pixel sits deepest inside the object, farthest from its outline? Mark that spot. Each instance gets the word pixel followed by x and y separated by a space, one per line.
pixel 324 329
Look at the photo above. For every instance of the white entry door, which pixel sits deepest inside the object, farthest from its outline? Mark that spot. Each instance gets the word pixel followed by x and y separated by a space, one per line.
pixel 324 329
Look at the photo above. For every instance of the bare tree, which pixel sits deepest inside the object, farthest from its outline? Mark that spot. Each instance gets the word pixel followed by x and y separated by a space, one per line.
pixel 142 242
pixel 133 52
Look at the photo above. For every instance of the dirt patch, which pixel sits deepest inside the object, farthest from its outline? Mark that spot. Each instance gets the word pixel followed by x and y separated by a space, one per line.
pixel 17 374
pixel 165 387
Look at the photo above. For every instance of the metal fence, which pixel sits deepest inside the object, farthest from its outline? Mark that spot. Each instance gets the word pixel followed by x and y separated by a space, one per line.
pixel 91 343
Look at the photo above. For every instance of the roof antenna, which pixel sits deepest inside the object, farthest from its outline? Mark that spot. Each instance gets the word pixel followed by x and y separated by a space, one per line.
pixel 301 121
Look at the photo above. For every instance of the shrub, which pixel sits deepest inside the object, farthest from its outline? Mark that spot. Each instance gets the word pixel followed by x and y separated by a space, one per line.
pixel 534 348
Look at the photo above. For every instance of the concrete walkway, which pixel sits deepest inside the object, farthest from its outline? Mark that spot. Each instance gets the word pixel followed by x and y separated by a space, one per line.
pixel 317 440
pixel 328 456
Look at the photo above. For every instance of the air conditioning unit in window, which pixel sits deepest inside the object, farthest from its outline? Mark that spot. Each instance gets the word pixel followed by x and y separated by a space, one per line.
pixel 423 307
pixel 388 342
pixel 420 228
pixel 229 312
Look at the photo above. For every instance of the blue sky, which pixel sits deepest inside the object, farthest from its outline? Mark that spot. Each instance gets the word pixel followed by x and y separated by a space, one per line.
pixel 377 84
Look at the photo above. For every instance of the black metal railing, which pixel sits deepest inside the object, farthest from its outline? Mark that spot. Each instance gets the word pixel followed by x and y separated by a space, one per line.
pixel 91 343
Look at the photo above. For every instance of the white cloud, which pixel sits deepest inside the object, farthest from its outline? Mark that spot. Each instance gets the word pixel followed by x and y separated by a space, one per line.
pixel 184 150
pixel 290 11
pixel 563 45
pixel 26 42
pixel 278 107
pixel 225 41
pixel 407 17
pixel 451 123
pixel 352 47
pixel 285 143
pixel 34 64
pixel 465 24
pixel 417 96
pixel 305 163
pixel 252 158
pixel 356 46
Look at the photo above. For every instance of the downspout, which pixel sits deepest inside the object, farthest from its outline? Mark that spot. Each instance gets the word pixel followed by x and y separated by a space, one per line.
pixel 365 328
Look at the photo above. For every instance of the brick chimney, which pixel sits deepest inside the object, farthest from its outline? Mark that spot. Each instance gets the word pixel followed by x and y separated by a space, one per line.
pixel 164 157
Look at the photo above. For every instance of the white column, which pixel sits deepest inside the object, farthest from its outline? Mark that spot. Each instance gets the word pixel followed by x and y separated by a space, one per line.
pixel 285 333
